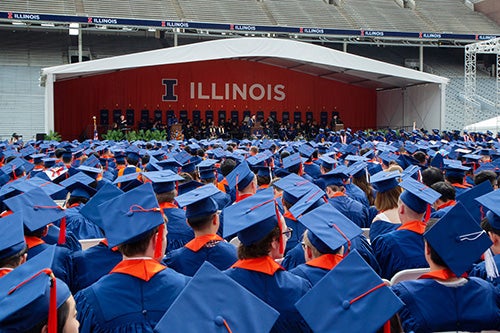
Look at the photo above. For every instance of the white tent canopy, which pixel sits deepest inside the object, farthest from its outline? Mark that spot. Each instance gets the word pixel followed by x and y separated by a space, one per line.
pixel 298 56
pixel 492 124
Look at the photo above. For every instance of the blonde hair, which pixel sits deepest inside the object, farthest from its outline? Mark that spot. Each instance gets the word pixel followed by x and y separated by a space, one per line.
pixel 387 200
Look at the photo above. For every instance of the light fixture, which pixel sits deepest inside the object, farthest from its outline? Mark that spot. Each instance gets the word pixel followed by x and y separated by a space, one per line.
pixel 74 29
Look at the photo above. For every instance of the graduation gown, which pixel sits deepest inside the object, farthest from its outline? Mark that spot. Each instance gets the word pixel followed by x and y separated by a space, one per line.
pixel 312 169
pixel 352 209
pixel 479 270
pixel 212 248
pixel 131 298
pixel 430 306
pixel 380 227
pixel 298 231
pixel 278 288
pixel 92 264
pixel 62 264
pixel 400 249
pixel 179 232
pixel 356 193
pixel 79 225
pixel 315 269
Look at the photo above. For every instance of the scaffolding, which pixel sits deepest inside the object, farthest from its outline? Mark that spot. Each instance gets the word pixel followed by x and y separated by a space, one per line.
pixel 491 46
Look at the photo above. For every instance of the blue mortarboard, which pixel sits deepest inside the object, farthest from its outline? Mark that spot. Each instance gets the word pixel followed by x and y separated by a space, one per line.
pixel 329 228
pixel 90 171
pixel 411 171
pixel 16 166
pixel 458 239
pixel 133 152
pixel 25 294
pixel 92 161
pixel 79 177
pixel 79 189
pixel 384 181
pixel 467 199
pixel 358 169
pixel 129 181
pixel 188 186
pixel 48 187
pixel 387 157
pixel 455 170
pixel 309 201
pixel 11 235
pixel 329 309
pixel 199 202
pixel 37 158
pixel 16 187
pixel 291 161
pixel 243 312
pixel 163 181
pixel 251 219
pixel 49 162
pixel 417 195
pixel 127 217
pixel 105 193
pixel 188 167
pixel 206 169
pixel 327 162
pixel 490 201
pixel 437 161
pixel 170 164
pixel 294 187
pixel 27 151
pixel 37 208
pixel 263 171
pixel 356 158
pixel 337 176
pixel 240 177
pixel 306 150
pixel 183 157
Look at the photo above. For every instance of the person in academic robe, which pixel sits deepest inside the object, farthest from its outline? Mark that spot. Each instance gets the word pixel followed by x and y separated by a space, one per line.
pixel 202 215
pixel 138 291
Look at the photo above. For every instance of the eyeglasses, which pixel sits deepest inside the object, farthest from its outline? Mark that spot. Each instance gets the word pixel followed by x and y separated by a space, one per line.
pixel 287 233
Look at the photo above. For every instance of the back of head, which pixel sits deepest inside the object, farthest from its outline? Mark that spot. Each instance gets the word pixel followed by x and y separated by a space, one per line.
pixel 446 190
pixel 432 175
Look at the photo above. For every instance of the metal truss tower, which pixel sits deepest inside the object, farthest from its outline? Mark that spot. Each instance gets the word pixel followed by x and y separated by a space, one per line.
pixel 491 46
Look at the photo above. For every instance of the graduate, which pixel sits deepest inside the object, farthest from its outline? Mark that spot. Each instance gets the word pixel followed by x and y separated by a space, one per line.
pixel 403 248
pixel 443 299
pixel 327 232
pixel 263 233
pixel 137 292
pixel 32 299
pixel 386 183
pixel 13 248
pixel 202 214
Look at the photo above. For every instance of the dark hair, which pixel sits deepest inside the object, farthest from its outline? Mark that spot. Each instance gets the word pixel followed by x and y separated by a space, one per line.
pixel 261 248
pixel 14 260
pixel 485 175
pixel 486 225
pixel 365 186
pixel 58 152
pixel 145 159
pixel 432 175
pixel 227 166
pixel 284 154
pixel 336 188
pixel 454 179
pixel 294 168
pixel 421 157
pixel 200 152
pixel 66 158
pixel 73 200
pixel 139 245
pixel 263 180
pixel 200 222
pixel 35 233
pixel 435 257
pixel 62 316
pixel 132 160
pixel 446 190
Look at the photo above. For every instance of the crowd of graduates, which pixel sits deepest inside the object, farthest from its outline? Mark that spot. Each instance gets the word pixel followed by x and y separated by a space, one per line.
pixel 262 235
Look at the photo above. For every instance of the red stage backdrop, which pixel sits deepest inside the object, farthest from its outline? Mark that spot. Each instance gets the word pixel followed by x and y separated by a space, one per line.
pixel 208 85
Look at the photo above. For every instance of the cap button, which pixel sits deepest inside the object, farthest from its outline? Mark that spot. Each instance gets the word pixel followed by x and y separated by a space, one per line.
pixel 457 239
pixel 346 305
pixel 219 321
pixel 129 213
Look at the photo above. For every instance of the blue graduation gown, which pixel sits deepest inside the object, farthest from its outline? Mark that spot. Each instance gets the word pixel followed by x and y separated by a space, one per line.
pixel 62 264
pixel 52 237
pixel 122 303
pixel 479 270
pixel 293 258
pixel 298 231
pixel 380 227
pixel 187 261
pixel 352 209
pixel 80 226
pixel 279 289
pixel 399 249
pixel 92 264
pixel 315 269
pixel 312 170
pixel 356 193
pixel 179 232
pixel 433 307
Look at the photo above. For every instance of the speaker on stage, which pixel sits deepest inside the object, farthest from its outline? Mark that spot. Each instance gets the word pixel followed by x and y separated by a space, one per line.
pixel 40 136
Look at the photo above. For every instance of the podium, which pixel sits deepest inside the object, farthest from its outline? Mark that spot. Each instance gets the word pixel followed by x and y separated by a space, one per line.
pixel 338 127
pixel 176 132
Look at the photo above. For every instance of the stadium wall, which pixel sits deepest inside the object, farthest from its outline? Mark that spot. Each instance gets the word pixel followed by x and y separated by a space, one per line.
pixel 209 85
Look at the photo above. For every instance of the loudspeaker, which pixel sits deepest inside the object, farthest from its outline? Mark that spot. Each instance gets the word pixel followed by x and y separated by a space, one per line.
pixel 40 136
pixel 104 117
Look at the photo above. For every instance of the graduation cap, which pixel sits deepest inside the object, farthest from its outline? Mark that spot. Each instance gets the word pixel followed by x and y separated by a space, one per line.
pixel 467 198
pixel 293 187
pixel 455 170
pixel 14 168
pixel 183 157
pixel 133 152
pixel 129 181
pixel 384 181
pixel 128 217
pixel 437 161
pixel 331 306
pixel 306 150
pixel 11 235
pixel 170 164
pixel 16 187
pixel 411 171
pixel 105 193
pixel 327 162
pixel 417 195
pixel 243 312
pixel 199 202
pixel 77 188
pixel 240 177
pixel 251 219
pixel 47 186
pixel 309 201
pixel 358 169
pixel 31 294
pixel 355 158
pixel 90 171
pixel 458 239
pixel 79 177
pixel 163 181
pixel 37 208
pixel 37 158
pixel 337 176
pixel 206 169
pixel 329 228
pixel 291 161
pixel 49 162
pixel 490 201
